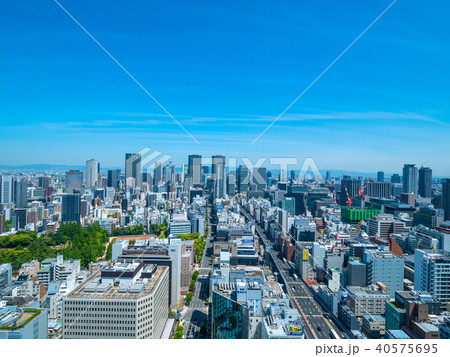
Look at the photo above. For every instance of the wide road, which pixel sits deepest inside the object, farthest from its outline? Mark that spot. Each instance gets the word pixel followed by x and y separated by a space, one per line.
pixel 197 314
pixel 316 317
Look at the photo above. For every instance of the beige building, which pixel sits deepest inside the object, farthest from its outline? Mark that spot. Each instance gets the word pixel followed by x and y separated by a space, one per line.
pixel 126 300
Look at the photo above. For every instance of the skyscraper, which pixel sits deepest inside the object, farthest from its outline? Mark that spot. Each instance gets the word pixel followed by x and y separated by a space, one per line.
pixel 113 178
pixel 432 273
pixel 242 179
pixel 74 181
pixel 157 175
pixel 20 194
pixel 169 174
pixel 43 182
pixel 218 172
pixel 133 168
pixel 425 177
pixel 380 176
pixel 395 178
pixel 231 182
pixel 446 198
pixel 352 188
pixel 70 208
pixel 410 179
pixel 91 173
pixel 195 168
pixel 260 178
pixel 6 192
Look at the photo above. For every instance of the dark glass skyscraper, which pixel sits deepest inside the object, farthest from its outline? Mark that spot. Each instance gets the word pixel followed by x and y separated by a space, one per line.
pixel 260 178
pixel 446 198
pixel 352 188
pixel 20 194
pixel 70 208
pixel 242 179
pixel 380 176
pixel 425 178
pixel 395 178
pixel 113 178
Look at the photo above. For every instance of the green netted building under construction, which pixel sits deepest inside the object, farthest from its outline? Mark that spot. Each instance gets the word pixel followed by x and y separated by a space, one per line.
pixel 355 215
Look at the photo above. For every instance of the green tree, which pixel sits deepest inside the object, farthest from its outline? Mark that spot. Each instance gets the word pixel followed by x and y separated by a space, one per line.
pixel 189 298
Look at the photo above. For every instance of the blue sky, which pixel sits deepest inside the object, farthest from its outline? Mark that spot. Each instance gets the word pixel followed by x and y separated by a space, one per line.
pixel 225 70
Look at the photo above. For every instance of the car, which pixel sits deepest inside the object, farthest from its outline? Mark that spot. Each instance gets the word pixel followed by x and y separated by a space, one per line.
pixel 319 328
pixel 310 314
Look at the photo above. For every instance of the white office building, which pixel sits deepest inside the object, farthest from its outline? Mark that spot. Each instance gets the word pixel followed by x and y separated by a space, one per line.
pixel 126 300
pixel 432 273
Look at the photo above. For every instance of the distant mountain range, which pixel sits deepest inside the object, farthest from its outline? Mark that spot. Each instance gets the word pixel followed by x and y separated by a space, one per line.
pixel 61 168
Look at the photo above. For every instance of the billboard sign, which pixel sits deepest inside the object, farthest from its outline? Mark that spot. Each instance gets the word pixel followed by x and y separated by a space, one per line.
pixel 305 254
pixel 296 330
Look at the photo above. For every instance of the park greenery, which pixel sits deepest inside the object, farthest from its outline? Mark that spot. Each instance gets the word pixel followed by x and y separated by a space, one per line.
pixel 159 230
pixel 137 229
pixel 71 240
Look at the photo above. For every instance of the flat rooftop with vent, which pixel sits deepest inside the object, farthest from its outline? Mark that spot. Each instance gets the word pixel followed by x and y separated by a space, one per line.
pixel 123 279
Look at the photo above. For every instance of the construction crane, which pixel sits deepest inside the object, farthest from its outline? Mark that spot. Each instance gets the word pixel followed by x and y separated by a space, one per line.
pixel 334 197
pixel 349 199
pixel 421 165
pixel 361 195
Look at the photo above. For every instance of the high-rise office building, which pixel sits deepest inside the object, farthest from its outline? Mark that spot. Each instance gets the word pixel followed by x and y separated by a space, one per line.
pixel 7 185
pixel 195 168
pixel 395 178
pixel 91 173
pixel 169 174
pixel 218 172
pixel 20 194
pixel 231 182
pixel 410 179
pixel 133 168
pixel 114 178
pixel 432 273
pixel 379 189
pixel 260 178
pixel 386 268
pixel 425 178
pixel 328 176
pixel 43 182
pixel 19 219
pixel 2 222
pixel 380 176
pixel 157 176
pixel 71 207
pixel 352 188
pixel 74 181
pixel 446 198
pixel 127 300
pixel 242 179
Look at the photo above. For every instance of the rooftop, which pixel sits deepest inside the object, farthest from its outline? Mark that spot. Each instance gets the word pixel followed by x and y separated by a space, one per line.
pixel 95 287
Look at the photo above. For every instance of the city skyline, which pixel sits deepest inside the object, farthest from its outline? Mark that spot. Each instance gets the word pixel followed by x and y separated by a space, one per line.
pixel 225 75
